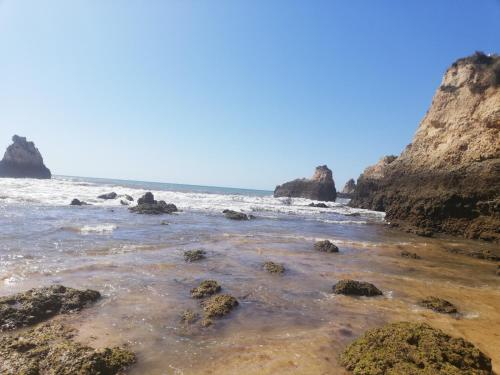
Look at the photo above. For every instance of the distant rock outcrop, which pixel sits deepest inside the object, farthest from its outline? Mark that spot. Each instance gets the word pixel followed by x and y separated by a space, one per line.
pixel 349 187
pixel 23 160
pixel 448 178
pixel 320 187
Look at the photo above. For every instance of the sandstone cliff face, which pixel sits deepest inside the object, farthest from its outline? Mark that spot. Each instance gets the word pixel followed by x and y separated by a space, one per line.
pixel 22 159
pixel 320 187
pixel 448 178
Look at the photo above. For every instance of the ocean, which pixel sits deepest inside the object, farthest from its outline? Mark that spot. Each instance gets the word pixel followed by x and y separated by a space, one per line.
pixel 283 324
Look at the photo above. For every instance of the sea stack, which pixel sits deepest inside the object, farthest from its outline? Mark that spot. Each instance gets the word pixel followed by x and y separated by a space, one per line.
pixel 448 178
pixel 320 187
pixel 23 160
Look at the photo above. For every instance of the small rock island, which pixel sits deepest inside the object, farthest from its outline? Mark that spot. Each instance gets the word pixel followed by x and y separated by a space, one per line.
pixel 320 187
pixel 23 160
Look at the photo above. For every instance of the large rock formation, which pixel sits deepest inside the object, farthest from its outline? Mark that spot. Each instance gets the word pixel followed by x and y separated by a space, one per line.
pixel 448 178
pixel 320 187
pixel 22 159
pixel 349 187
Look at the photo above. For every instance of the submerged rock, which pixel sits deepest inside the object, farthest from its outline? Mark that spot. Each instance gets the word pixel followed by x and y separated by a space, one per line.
pixel 448 178
pixel 189 316
pixel 234 215
pixel 356 288
pixel 124 202
pixel 218 306
pixel 326 247
pixel 36 305
pixel 206 289
pixel 107 196
pixel 22 159
pixel 320 187
pixel 498 270
pixel 275 268
pixel 128 197
pixel 407 254
pixel 318 205
pixel 149 206
pixel 479 254
pixel 194 255
pixel 413 349
pixel 438 305
pixel 50 349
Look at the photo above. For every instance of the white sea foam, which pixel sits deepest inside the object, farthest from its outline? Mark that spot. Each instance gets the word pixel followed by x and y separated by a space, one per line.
pixel 101 228
pixel 59 191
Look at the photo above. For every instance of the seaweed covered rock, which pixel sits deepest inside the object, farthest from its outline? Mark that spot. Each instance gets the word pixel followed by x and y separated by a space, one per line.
pixel 219 306
pixel 49 349
pixel 409 255
pixel 194 255
pixel 326 247
pixel 36 305
pixel 413 349
pixel 319 187
pixel 189 316
pixel 149 206
pixel 438 305
pixel 448 178
pixel 275 268
pixel 22 159
pixel 206 289
pixel 235 215
pixel 356 288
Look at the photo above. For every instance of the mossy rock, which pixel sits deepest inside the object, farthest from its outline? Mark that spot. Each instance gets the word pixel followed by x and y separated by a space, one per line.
pixel 219 306
pixel 206 289
pixel 275 268
pixel 50 350
pixel 326 247
pixel 413 349
pixel 194 255
pixel 438 304
pixel 356 288
pixel 36 305
pixel 409 255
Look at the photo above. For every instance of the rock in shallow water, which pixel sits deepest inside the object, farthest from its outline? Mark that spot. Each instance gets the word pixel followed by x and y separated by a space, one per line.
pixel 206 289
pixel 438 305
pixel 107 196
pixel 356 288
pixel 22 159
pixel 320 187
pixel 50 350
pixel 36 305
pixel 194 255
pixel 218 306
pixel 77 202
pixel 234 215
pixel 326 247
pixel 407 254
pixel 413 349
pixel 149 206
pixel 275 268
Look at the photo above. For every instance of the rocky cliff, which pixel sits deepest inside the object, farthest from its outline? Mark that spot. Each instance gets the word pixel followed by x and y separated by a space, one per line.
pixel 349 187
pixel 448 178
pixel 22 159
pixel 320 187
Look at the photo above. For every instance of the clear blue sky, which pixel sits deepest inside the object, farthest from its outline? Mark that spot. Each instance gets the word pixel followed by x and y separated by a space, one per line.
pixel 227 93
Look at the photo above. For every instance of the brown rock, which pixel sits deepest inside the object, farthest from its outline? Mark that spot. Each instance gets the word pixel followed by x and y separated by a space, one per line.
pixel 320 187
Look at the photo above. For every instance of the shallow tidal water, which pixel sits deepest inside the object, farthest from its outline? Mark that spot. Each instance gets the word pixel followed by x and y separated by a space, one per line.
pixel 290 324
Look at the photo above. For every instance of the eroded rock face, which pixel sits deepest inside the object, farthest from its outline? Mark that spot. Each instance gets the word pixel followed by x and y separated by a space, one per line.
pixel 320 187
pixel 36 305
pixel 23 160
pixel 413 348
pixel 448 178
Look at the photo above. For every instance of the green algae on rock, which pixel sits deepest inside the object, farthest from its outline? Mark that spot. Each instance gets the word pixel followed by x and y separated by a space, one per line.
pixel 205 289
pixel 194 255
pixel 275 268
pixel 49 350
pixel 356 288
pixel 413 349
pixel 36 305
pixel 438 305
pixel 218 306
pixel 326 247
